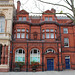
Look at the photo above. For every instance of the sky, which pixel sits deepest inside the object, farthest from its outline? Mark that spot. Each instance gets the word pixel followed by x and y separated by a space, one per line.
pixel 38 7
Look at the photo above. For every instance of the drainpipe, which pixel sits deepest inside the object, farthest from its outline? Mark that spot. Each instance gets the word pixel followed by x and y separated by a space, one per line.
pixel 11 63
pixel 42 58
pixel 61 42
pixel 27 59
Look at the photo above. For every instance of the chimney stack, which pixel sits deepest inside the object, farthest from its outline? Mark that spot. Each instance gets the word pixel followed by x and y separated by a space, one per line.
pixel 18 5
pixel 53 10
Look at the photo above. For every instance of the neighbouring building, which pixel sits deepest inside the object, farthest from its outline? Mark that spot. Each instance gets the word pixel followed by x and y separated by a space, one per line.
pixel 6 19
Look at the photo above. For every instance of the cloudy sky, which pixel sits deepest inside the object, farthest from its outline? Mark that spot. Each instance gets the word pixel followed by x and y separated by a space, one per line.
pixel 37 7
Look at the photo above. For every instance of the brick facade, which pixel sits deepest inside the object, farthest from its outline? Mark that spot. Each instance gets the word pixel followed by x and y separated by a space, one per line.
pixel 35 27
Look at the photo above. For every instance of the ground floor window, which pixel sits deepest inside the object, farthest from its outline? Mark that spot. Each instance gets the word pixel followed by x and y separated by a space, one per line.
pixel 35 55
pixel 19 55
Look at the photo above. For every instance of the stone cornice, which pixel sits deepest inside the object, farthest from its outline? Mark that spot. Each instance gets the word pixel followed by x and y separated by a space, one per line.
pixel 6 4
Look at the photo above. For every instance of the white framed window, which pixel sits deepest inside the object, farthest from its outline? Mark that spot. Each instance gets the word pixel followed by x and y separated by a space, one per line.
pixel 18 30
pixel 2 24
pixel 22 35
pixel 35 55
pixel 18 35
pixel 47 35
pixel 65 30
pixel 51 30
pixel 66 42
pixel 24 18
pixel 52 35
pixel 23 30
pixel 43 36
pixel 20 18
pixel 47 30
pixel 46 18
pixel 20 55
pixel 50 18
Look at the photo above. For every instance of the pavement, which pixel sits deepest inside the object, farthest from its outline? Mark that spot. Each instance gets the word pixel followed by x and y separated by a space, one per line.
pixel 66 72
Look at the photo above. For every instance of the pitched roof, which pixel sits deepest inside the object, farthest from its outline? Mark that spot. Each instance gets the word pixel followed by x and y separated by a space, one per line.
pixel 23 12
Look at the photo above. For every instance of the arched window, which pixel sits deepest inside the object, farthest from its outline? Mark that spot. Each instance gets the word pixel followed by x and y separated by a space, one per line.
pixel 50 50
pixel 20 55
pixel 35 55
pixel 2 24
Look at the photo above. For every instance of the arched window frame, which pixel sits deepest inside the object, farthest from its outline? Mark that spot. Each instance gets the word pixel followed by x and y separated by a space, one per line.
pixel 34 55
pixel 50 50
pixel 2 24
pixel 19 57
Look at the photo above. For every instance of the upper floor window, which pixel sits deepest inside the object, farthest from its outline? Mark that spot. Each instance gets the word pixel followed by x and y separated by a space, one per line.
pixel 43 30
pixel 65 30
pixel 66 42
pixel 18 30
pixel 23 30
pixel 24 18
pixel 46 18
pixel 27 30
pixel 51 30
pixel 20 18
pixel 52 35
pixel 21 33
pixel 50 18
pixel 47 30
pixel 2 24
pixel 47 35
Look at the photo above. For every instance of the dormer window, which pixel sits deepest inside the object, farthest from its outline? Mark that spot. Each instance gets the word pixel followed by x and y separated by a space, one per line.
pixel 20 18
pixel 46 18
pixel 50 18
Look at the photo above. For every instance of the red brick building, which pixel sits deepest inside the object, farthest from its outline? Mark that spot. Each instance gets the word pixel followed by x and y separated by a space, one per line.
pixel 47 39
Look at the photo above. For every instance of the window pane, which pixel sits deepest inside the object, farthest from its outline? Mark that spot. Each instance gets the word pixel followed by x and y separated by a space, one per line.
pixel 46 18
pixel 20 18
pixel 43 30
pixel 24 18
pixel 47 35
pixel 26 36
pixel 52 35
pixel 18 30
pixel 65 30
pixel 50 18
pixel 20 51
pixel 51 30
pixel 26 30
pixel 22 35
pixel 18 35
pixel 55 36
pixel 23 30
pixel 35 51
pixel 2 24
pixel 47 30
pixel 66 42
pixel 43 36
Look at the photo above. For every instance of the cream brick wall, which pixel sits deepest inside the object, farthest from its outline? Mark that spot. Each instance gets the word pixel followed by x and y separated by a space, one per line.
pixel 6 9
